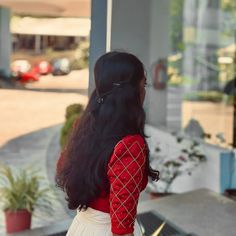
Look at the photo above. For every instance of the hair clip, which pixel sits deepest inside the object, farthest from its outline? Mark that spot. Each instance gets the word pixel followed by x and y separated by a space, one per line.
pixel 116 84
pixel 100 100
pixel 121 83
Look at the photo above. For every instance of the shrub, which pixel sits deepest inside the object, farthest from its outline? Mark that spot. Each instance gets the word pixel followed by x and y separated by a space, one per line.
pixel 209 96
pixel 82 56
pixel 79 64
pixel 73 113
pixel 66 129
pixel 73 109
pixel 188 155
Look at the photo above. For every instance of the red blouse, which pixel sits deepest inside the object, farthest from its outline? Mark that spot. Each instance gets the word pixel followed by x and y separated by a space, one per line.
pixel 127 177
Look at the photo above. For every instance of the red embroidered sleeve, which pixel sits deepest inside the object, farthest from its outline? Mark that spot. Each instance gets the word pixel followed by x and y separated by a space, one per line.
pixel 126 172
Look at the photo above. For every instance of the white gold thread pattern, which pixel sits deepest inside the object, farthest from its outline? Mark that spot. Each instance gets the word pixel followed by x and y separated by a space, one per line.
pixel 126 173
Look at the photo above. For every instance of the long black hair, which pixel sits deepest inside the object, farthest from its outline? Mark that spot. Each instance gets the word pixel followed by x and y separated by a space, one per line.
pixel 114 110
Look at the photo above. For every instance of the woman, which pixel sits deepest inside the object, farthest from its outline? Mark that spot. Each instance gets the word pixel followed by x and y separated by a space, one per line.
pixel 105 164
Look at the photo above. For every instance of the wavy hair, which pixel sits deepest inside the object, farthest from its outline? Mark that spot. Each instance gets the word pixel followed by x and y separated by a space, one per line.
pixel 114 110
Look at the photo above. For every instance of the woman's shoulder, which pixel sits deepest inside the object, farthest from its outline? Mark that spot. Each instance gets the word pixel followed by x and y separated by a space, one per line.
pixel 132 143
pixel 131 138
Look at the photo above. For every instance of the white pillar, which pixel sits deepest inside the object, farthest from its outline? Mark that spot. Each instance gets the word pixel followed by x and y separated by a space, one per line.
pixel 130 27
pixel 98 35
pixel 5 41
pixel 159 29
pixel 159 48
pixel 139 27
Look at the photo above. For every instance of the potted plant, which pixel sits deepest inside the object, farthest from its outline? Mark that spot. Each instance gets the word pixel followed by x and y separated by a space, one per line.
pixel 188 155
pixel 21 192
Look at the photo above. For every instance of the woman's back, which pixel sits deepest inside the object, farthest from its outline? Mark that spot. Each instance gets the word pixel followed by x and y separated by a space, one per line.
pixel 105 164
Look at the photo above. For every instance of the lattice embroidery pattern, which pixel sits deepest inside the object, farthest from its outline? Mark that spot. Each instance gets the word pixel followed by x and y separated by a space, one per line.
pixel 137 182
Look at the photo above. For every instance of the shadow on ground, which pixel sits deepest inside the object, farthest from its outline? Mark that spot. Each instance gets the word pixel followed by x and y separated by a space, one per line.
pixel 52 90
pixel 61 90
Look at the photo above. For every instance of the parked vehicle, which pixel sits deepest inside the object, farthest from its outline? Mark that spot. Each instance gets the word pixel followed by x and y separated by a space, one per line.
pixel 30 76
pixel 61 66
pixel 23 71
pixel 43 67
pixel 20 66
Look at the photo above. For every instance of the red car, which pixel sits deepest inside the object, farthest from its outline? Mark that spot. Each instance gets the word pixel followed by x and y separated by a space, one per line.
pixel 29 76
pixel 21 69
pixel 43 68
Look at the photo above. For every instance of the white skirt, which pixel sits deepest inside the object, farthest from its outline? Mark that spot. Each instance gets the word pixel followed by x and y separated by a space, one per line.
pixel 94 223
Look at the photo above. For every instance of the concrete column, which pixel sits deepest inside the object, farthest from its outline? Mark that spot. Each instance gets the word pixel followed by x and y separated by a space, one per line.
pixel 130 27
pixel 159 29
pixel 5 41
pixel 98 35
pixel 157 111
pixel 139 27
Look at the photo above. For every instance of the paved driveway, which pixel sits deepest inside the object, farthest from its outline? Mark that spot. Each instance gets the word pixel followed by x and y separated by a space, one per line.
pixel 43 105
pixel 30 123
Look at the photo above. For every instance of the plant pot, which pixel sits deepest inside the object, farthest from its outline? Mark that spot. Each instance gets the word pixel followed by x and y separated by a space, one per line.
pixel 17 220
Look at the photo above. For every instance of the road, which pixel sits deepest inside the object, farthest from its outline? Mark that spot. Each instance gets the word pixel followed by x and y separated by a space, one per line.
pixel 41 105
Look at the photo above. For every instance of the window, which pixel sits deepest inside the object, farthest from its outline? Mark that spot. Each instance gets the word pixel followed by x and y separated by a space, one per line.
pixel 201 68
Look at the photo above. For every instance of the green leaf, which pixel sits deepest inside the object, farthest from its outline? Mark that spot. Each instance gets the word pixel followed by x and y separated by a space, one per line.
pixel 184 150
pixel 23 189
pixel 179 139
